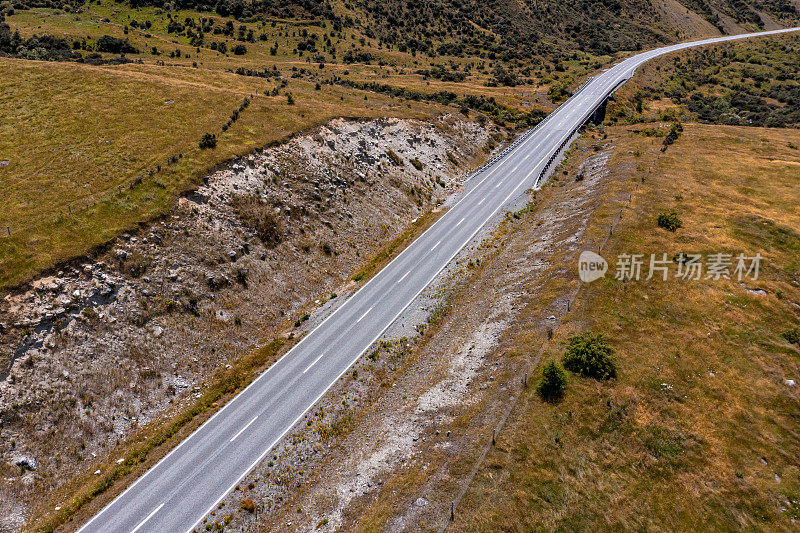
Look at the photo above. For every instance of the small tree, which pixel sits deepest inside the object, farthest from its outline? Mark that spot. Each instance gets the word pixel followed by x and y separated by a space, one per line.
pixel 793 336
pixel 588 354
pixel 553 382
pixel 289 99
pixel 669 221
pixel 209 140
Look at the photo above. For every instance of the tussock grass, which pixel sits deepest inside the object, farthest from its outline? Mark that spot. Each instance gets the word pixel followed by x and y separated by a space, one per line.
pixel 95 150
pixel 698 423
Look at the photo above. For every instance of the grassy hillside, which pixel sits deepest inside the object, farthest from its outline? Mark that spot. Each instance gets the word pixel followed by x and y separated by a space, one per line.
pixel 699 429
pixel 754 83
pixel 92 150
pixel 84 162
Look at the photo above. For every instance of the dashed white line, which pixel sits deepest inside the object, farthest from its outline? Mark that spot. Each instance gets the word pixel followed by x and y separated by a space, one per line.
pixel 134 530
pixel 482 199
pixel 242 430
pixel 314 362
pixel 499 183
pixel 404 276
pixel 435 245
pixel 460 221
pixel 365 314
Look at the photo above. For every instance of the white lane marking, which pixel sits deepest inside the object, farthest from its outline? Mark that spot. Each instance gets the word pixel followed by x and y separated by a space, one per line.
pixel 286 356
pixel 441 219
pixel 482 199
pixel 134 530
pixel 435 245
pixel 499 183
pixel 460 221
pixel 370 309
pixel 314 362
pixel 404 276
pixel 242 430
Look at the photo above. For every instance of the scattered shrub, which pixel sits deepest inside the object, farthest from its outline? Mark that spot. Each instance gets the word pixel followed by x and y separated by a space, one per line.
pixel 669 221
pixel 792 336
pixel 115 45
pixel 248 505
pixel 553 383
pixel 394 157
pixel 674 132
pixel 209 140
pixel 589 355
pixel 416 163
pixel 257 214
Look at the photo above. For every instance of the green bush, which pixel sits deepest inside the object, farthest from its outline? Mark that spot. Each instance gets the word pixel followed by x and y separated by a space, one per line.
pixel 553 382
pixel 209 140
pixel 674 132
pixel 669 221
pixel 588 354
pixel 793 336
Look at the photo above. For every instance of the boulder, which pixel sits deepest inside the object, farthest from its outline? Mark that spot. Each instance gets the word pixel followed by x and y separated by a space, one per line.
pixel 25 461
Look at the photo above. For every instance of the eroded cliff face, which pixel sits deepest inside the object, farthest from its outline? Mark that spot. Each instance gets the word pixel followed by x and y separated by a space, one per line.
pixel 124 338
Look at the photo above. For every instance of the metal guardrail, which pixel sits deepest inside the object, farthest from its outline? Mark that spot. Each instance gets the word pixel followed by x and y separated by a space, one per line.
pixel 525 135
pixel 584 119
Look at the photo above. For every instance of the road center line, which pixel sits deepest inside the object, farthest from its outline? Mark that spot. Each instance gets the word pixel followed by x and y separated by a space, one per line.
pixel 435 245
pixel 314 362
pixel 367 312
pixel 242 430
pixel 499 183
pixel 404 276
pixel 134 530
pixel 460 221
pixel 482 199
pixel 623 71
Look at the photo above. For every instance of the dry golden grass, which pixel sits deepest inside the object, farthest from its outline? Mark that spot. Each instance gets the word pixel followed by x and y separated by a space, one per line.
pixel 78 136
pixel 699 431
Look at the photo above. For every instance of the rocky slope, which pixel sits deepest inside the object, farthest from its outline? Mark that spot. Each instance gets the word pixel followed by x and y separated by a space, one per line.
pixel 109 343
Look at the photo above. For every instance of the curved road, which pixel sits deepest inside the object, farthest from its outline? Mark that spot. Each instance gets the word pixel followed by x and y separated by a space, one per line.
pixel 189 482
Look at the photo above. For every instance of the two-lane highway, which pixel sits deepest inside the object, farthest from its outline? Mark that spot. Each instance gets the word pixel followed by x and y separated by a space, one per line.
pixel 189 482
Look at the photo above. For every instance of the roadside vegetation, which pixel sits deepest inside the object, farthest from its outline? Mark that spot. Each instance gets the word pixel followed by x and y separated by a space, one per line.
pixel 120 70
pixel 753 83
pixel 698 428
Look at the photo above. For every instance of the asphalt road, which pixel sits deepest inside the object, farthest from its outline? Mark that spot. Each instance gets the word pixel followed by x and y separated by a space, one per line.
pixel 190 481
